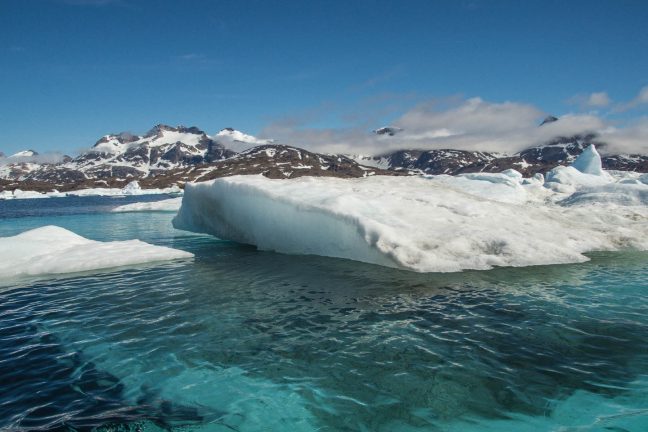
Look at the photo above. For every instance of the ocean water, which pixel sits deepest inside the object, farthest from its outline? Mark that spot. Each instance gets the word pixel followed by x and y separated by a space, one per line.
pixel 242 340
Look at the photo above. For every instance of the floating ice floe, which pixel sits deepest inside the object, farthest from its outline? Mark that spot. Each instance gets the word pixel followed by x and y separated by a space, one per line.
pixel 434 224
pixel 55 250
pixel 133 188
pixel 168 205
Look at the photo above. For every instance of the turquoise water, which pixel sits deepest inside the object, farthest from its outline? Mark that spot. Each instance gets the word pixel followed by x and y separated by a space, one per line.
pixel 244 340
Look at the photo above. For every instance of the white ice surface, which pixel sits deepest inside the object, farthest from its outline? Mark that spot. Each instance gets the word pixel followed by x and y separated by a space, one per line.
pixel 55 250
pixel 168 205
pixel 122 192
pixel 436 224
pixel 19 194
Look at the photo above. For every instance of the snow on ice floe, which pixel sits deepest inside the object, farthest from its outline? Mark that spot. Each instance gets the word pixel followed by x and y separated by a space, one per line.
pixel 434 224
pixel 168 205
pixel 55 250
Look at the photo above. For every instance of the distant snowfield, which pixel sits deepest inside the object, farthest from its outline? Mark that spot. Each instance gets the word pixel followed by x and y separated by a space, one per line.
pixel 55 250
pixel 430 224
pixel 132 188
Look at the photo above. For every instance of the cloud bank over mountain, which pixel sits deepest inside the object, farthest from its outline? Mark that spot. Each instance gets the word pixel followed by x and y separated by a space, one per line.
pixel 460 123
pixel 472 124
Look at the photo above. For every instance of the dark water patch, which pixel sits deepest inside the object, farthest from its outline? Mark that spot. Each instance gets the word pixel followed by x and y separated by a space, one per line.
pixel 47 387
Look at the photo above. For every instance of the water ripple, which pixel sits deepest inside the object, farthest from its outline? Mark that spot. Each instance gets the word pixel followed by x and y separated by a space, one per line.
pixel 241 339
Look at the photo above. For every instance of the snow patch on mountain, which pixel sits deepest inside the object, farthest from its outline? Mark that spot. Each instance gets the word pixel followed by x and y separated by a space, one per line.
pixel 371 161
pixel 23 154
pixel 239 141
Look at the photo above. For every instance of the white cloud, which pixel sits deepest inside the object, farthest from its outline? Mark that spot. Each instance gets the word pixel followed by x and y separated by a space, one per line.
pixel 469 124
pixel 592 100
pixel 192 56
pixel 630 139
pixel 640 99
pixel 600 99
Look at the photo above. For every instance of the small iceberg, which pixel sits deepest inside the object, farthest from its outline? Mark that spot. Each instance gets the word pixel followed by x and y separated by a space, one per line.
pixel 585 172
pixel 132 188
pixel 586 183
pixel 589 162
pixel 55 250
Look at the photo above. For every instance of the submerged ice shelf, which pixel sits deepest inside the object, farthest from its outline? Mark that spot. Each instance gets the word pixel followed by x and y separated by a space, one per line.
pixel 436 224
pixel 55 250
pixel 167 205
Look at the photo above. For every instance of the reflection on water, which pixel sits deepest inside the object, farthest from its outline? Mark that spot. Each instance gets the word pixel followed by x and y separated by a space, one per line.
pixel 248 340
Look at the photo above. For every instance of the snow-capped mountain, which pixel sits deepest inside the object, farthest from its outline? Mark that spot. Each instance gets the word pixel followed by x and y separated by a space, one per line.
pixel 123 156
pixel 24 154
pixel 428 161
pixel 18 164
pixel 167 156
pixel 271 160
pixel 171 156
pixel 238 141
pixel 539 159
pixel 388 130
pixel 162 148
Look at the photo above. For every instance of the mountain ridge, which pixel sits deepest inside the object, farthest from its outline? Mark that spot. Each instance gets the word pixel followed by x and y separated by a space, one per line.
pixel 173 155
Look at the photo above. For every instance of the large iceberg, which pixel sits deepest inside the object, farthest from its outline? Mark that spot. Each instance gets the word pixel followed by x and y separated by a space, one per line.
pixel 436 224
pixel 55 250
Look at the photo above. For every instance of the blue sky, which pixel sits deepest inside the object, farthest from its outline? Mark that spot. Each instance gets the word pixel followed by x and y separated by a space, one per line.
pixel 73 70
